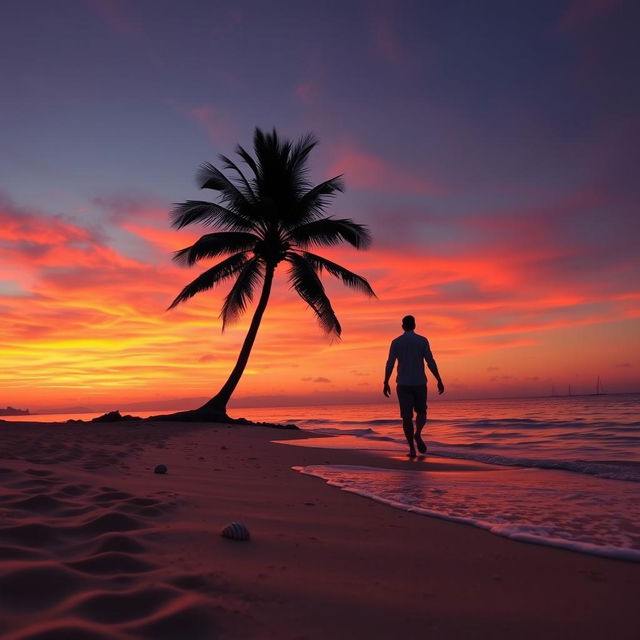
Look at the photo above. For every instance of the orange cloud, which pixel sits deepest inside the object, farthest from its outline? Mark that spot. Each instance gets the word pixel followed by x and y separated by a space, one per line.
pixel 84 323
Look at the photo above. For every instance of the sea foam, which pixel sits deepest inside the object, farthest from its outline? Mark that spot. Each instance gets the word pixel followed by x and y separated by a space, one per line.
pixel 530 505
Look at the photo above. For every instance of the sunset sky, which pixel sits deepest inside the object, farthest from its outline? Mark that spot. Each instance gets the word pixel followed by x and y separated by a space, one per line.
pixel 491 148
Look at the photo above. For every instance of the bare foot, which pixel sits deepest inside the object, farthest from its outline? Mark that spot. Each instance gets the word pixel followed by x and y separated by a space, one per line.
pixel 422 447
pixel 411 454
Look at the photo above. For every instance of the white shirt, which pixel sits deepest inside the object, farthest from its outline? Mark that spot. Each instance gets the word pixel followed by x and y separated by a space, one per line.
pixel 411 351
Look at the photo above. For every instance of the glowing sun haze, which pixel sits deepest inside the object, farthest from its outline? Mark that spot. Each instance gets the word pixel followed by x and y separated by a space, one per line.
pixel 489 147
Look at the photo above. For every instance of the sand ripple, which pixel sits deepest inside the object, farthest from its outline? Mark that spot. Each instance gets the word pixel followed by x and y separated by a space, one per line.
pixel 78 562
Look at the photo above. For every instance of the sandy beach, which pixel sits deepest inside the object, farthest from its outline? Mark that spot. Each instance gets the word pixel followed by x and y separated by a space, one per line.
pixel 94 544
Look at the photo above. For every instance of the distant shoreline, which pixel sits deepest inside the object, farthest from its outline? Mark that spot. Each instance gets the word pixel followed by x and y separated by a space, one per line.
pixel 11 411
pixel 136 408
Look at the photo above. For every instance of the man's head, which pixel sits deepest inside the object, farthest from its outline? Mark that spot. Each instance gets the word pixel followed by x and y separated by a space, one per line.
pixel 408 323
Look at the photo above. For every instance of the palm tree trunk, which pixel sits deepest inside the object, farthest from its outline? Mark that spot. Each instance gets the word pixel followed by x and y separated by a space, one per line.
pixel 218 404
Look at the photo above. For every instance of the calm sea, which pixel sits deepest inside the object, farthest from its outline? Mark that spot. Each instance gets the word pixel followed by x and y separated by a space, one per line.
pixel 568 470
pixel 568 474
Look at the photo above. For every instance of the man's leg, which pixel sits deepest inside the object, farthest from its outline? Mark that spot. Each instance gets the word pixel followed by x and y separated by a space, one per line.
pixel 420 399
pixel 405 400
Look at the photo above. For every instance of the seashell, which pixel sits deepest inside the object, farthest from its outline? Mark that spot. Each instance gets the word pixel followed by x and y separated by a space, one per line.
pixel 236 531
pixel 160 468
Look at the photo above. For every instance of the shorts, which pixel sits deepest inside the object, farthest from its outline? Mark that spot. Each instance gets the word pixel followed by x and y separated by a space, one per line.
pixel 412 398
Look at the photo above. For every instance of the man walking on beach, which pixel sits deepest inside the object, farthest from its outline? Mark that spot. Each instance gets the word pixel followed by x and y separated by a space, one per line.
pixel 411 351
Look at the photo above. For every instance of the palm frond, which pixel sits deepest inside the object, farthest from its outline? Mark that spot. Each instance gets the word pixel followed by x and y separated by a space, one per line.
pixel 211 277
pixel 306 282
pixel 269 148
pixel 242 291
pixel 330 231
pixel 350 279
pixel 210 177
pixel 230 164
pixel 313 203
pixel 272 157
pixel 246 156
pixel 265 214
pixel 209 213
pixel 297 161
pixel 211 245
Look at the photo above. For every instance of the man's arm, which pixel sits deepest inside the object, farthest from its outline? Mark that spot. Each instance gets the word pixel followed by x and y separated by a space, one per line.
pixel 388 370
pixel 433 367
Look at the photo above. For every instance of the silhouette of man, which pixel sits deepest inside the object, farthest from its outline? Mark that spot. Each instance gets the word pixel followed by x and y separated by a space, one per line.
pixel 411 351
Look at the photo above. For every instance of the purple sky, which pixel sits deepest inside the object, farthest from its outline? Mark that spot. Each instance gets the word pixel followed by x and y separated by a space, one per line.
pixel 479 129
pixel 492 103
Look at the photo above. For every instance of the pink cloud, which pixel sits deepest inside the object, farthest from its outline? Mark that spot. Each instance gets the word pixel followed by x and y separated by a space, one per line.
pixel 217 123
pixel 388 45
pixel 367 171
pixel 583 12
pixel 308 91
pixel 234 15
pixel 123 207
pixel 120 16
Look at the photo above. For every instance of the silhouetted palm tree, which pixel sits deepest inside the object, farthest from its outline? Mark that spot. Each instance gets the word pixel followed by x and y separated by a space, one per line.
pixel 273 216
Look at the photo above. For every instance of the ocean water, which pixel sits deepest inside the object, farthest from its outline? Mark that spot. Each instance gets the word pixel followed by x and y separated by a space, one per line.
pixel 566 470
pixel 596 435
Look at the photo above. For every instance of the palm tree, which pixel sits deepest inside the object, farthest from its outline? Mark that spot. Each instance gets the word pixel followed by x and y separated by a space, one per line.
pixel 273 216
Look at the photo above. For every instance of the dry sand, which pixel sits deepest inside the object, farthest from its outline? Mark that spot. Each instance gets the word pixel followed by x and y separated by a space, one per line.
pixel 94 545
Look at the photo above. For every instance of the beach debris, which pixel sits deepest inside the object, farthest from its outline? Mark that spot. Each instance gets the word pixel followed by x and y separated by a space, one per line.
pixel 236 531
pixel 160 468
pixel 114 416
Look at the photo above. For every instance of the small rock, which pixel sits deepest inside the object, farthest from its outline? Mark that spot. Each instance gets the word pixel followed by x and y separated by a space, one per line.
pixel 160 468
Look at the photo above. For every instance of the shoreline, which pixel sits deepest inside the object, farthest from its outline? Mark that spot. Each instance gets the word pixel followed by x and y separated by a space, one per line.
pixel 315 550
